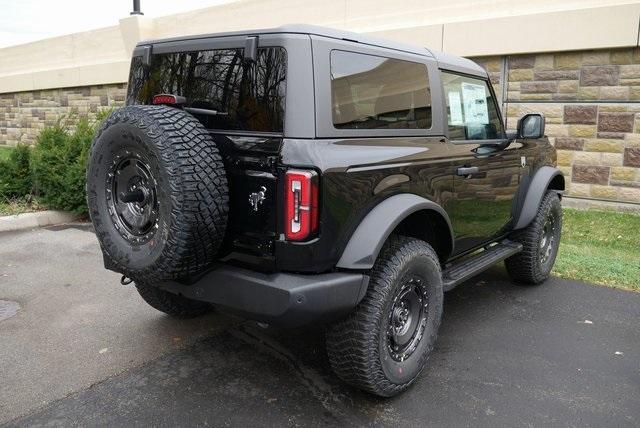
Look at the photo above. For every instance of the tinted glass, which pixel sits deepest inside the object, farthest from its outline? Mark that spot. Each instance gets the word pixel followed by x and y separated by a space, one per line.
pixel 247 96
pixel 372 92
pixel 471 109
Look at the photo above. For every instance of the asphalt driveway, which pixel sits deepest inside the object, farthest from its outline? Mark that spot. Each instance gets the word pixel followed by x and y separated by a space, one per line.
pixel 83 350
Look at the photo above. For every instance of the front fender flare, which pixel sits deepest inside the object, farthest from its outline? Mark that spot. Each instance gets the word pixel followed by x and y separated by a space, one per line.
pixel 367 241
pixel 535 193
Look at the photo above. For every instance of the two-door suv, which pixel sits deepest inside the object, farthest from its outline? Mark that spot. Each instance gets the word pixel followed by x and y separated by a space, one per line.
pixel 305 175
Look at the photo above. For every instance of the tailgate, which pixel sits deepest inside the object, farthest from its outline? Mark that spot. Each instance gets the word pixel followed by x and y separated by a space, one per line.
pixel 251 164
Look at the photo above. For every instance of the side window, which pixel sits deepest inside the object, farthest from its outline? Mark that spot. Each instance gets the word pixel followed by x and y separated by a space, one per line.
pixel 373 92
pixel 471 109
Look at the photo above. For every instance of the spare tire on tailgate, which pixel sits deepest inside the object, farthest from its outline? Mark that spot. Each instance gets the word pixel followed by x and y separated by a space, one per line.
pixel 157 193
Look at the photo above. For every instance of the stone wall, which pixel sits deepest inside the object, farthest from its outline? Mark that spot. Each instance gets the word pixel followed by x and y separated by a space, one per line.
pixel 591 100
pixel 24 114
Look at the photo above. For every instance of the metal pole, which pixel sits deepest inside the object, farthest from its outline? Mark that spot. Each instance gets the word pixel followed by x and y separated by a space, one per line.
pixel 136 8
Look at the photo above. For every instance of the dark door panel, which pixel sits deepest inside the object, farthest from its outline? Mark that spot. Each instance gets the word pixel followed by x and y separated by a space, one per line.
pixel 482 204
pixel 486 168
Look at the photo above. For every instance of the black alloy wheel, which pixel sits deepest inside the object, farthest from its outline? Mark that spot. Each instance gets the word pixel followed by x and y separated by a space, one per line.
pixel 548 238
pixel 132 198
pixel 407 318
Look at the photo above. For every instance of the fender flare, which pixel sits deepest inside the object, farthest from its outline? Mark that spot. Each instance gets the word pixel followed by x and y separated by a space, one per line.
pixel 372 232
pixel 535 192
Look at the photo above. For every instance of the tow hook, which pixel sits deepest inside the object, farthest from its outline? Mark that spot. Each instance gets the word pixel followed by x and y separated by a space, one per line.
pixel 125 280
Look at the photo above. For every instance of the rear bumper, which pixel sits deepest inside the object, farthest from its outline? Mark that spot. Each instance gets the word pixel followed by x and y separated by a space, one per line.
pixel 283 299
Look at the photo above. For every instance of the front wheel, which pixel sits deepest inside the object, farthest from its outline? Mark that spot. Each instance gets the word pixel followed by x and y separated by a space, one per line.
pixel 540 241
pixel 383 345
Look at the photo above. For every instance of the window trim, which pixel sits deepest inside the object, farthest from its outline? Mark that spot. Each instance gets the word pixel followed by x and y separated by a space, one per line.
pixel 487 81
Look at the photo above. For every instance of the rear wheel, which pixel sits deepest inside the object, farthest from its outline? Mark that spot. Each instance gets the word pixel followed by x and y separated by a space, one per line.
pixel 540 241
pixel 383 345
pixel 172 304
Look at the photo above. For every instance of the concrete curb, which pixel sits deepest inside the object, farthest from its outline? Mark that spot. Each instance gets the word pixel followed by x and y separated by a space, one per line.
pixel 36 219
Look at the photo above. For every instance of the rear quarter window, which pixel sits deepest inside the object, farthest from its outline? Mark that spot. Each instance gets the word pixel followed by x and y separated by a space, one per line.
pixel 374 92
pixel 247 96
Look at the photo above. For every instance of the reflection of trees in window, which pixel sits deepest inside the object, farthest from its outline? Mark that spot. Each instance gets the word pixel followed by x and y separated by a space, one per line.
pixel 137 77
pixel 250 96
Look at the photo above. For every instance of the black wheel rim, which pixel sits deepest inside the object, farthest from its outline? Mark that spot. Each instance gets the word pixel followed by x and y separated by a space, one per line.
pixel 548 238
pixel 407 318
pixel 131 197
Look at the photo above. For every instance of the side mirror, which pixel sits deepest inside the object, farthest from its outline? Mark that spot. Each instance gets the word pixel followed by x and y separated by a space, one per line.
pixel 531 126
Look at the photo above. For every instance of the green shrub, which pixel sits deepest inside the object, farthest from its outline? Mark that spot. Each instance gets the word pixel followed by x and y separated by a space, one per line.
pixel 15 173
pixel 59 163
pixel 54 171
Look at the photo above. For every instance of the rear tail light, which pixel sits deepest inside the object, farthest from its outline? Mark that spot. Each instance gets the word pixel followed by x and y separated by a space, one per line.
pixel 168 99
pixel 301 204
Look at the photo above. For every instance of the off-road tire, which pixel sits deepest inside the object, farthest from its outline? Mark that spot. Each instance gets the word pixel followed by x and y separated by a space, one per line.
pixel 530 267
pixel 358 345
pixel 172 304
pixel 190 187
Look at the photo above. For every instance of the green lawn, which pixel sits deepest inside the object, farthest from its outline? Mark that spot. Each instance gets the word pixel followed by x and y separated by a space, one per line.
pixel 4 152
pixel 600 247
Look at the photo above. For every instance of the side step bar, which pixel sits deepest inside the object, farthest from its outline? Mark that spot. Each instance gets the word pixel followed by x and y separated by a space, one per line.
pixel 470 266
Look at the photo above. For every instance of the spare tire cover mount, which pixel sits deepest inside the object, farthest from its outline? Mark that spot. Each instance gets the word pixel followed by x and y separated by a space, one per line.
pixel 131 197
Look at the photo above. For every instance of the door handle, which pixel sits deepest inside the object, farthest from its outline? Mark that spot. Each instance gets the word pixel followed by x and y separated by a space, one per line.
pixel 467 170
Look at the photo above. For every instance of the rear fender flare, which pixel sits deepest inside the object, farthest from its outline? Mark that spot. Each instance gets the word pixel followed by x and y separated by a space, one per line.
pixel 371 234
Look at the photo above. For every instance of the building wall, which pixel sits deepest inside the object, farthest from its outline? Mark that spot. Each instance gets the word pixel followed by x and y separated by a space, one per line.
pixel 591 101
pixel 462 27
pixel 576 61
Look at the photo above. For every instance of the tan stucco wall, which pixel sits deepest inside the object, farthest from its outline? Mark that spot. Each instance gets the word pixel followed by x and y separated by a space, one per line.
pixel 463 27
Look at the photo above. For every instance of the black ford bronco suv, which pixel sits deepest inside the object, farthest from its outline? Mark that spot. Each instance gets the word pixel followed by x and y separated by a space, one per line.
pixel 303 175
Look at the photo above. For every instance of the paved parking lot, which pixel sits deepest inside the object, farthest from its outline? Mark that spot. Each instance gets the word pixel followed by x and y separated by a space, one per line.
pixel 83 350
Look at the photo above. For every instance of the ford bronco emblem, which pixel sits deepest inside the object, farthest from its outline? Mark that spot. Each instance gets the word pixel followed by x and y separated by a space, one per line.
pixel 256 198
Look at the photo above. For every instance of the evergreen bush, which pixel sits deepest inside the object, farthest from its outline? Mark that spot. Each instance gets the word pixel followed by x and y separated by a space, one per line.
pixel 15 173
pixel 59 163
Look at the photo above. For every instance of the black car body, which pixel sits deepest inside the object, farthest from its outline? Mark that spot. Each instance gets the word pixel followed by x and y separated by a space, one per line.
pixel 389 138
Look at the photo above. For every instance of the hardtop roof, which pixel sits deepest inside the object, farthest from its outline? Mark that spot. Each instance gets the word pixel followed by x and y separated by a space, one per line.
pixel 446 61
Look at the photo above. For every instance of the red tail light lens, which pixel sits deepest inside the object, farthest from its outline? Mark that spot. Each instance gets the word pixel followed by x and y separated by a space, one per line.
pixel 165 99
pixel 169 99
pixel 301 204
